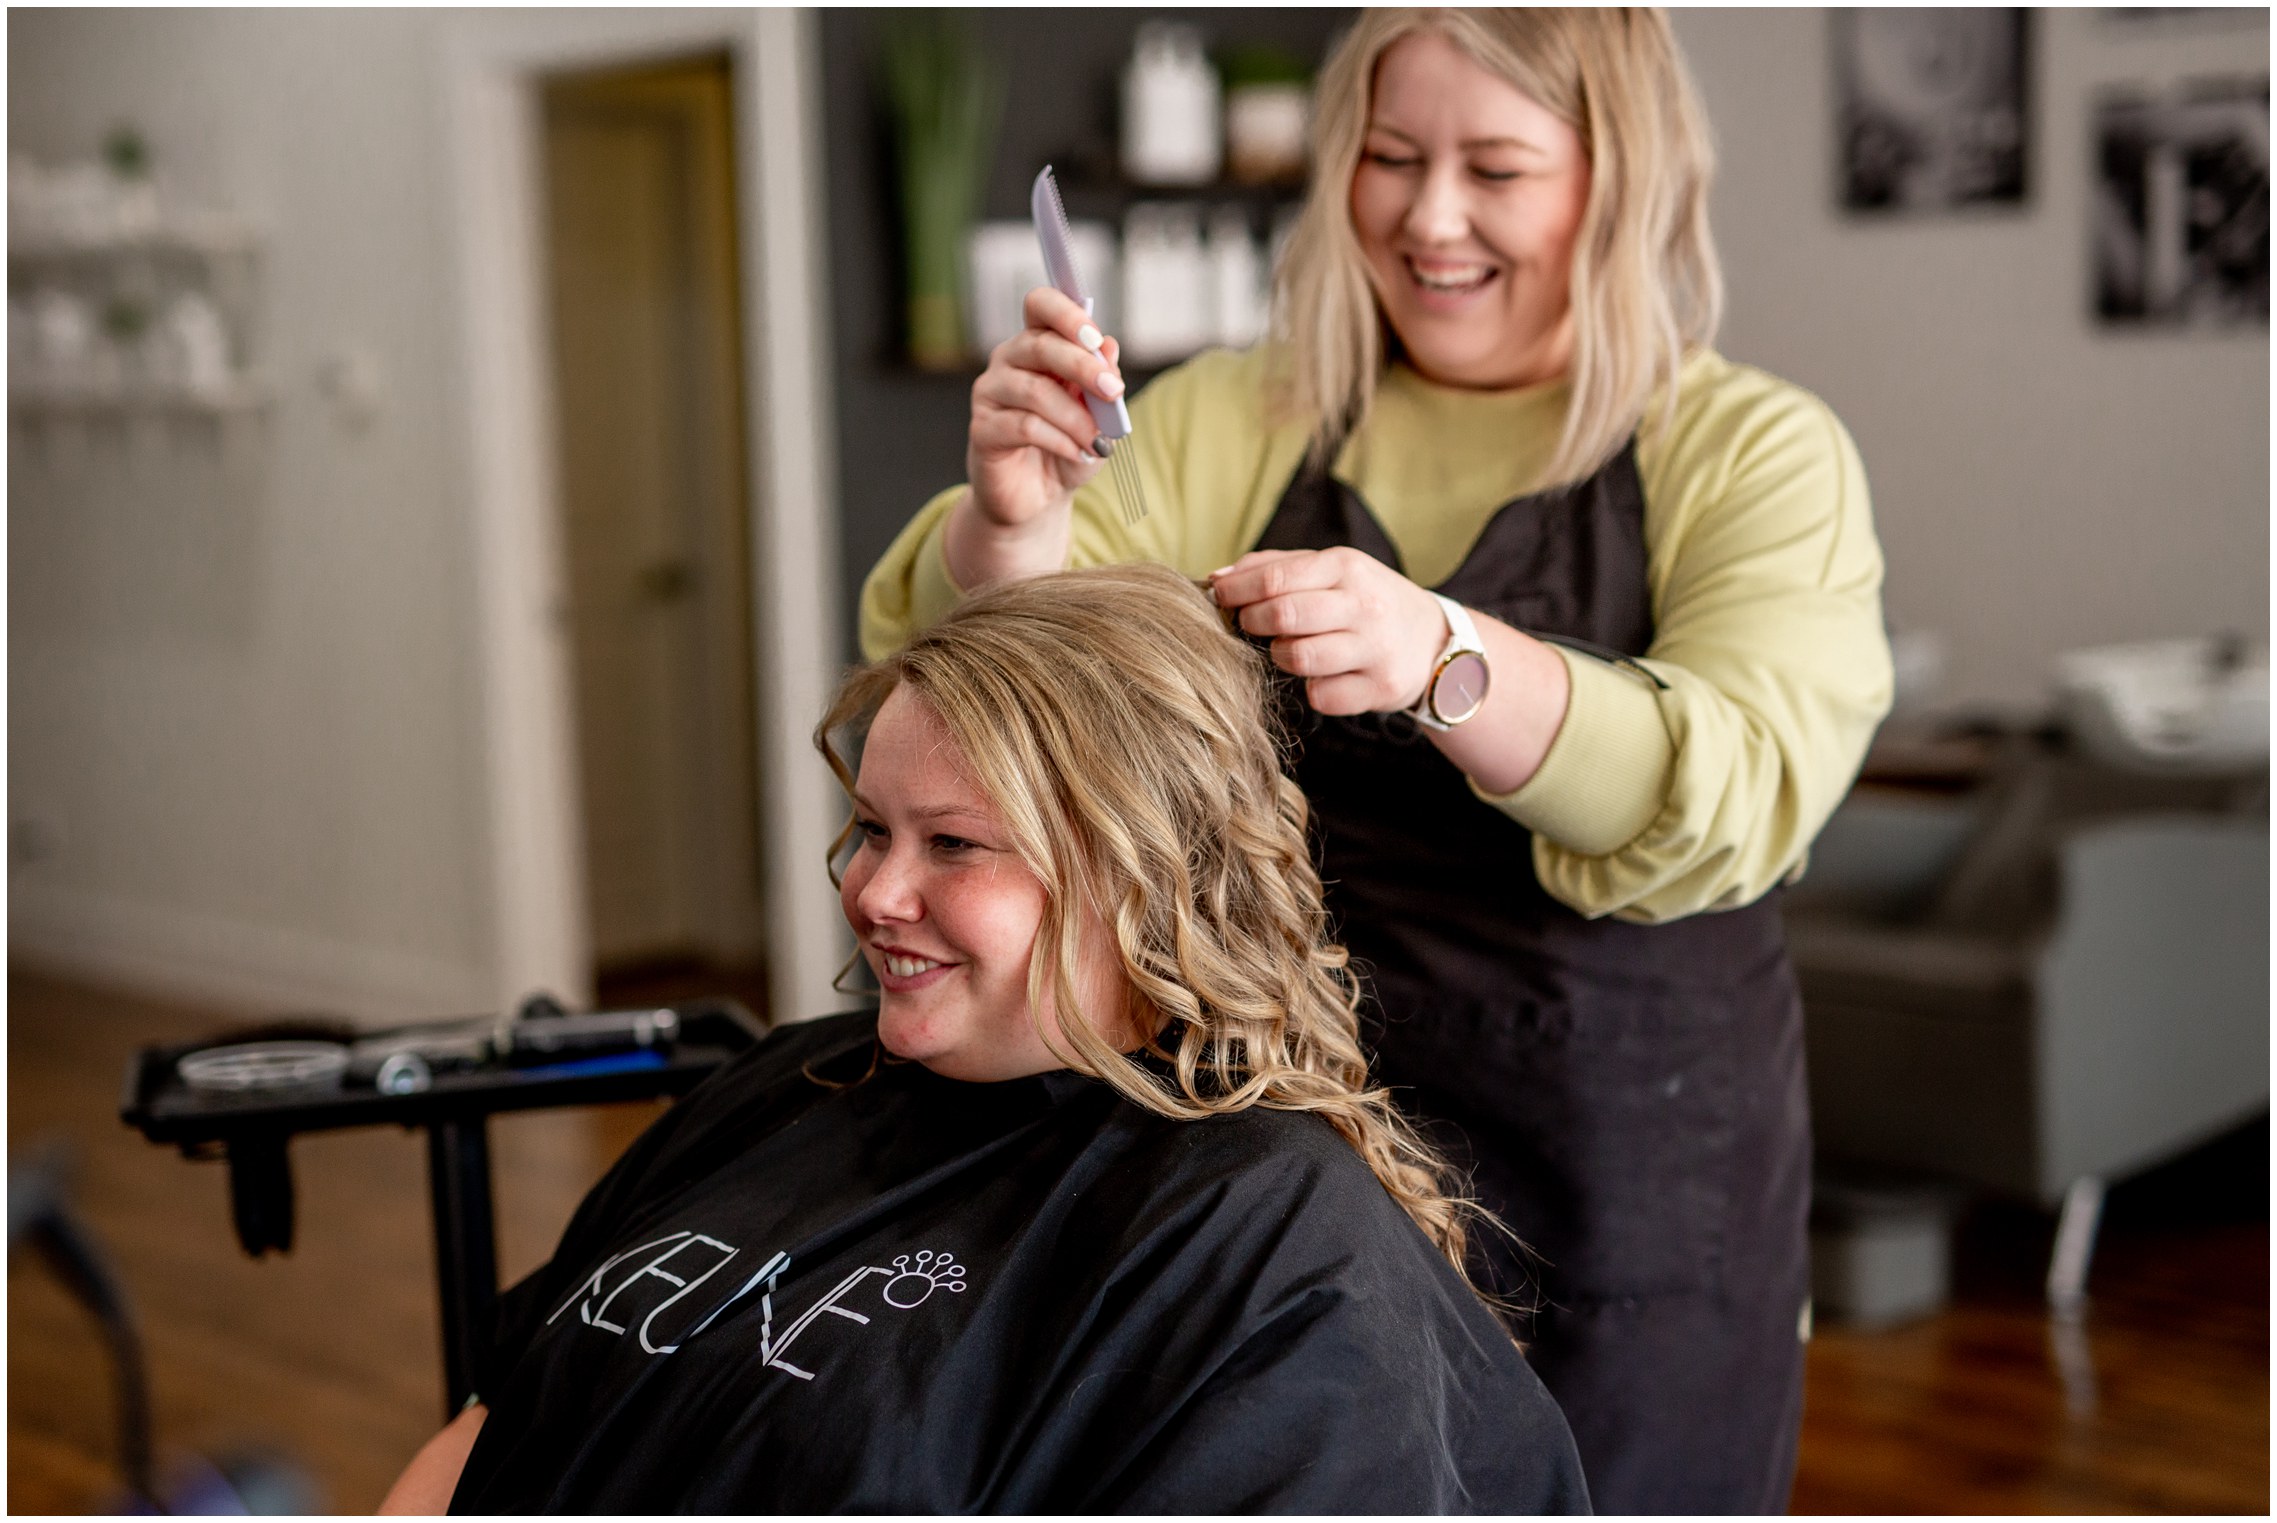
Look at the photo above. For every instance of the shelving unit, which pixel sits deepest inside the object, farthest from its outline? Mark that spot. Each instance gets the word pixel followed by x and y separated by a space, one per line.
pixel 143 266
pixel 203 238
pixel 1106 197
pixel 244 396
pixel 1101 195
pixel 900 430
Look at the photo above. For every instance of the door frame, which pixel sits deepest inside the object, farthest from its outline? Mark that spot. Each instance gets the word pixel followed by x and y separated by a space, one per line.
pixel 492 65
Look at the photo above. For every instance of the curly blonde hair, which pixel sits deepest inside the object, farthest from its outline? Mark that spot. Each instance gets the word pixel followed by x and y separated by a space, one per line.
pixel 1126 736
pixel 1646 284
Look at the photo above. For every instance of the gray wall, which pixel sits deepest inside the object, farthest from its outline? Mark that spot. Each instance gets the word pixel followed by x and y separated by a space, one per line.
pixel 2039 483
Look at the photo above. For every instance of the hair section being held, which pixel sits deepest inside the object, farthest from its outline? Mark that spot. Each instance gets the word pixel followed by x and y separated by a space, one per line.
pixel 1646 286
pixel 1125 735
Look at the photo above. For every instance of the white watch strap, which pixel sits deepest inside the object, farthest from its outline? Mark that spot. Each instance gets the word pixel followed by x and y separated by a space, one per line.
pixel 1462 635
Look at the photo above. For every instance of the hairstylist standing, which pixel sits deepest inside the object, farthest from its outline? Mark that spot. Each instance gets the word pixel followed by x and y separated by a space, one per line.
pixel 1583 638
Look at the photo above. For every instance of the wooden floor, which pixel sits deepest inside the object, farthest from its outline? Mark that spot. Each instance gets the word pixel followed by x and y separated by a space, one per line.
pixel 329 1356
pixel 2157 1402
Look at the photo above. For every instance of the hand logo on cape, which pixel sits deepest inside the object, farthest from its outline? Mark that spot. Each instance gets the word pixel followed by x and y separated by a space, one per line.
pixel 915 1281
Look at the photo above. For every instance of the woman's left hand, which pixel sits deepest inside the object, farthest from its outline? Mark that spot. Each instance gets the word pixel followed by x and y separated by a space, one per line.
pixel 1362 636
pixel 1364 639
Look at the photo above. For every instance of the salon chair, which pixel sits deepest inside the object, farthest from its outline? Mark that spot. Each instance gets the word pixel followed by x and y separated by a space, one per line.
pixel 2054 981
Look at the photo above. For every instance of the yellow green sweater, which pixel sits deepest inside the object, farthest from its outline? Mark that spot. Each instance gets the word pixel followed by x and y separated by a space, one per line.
pixel 1765 580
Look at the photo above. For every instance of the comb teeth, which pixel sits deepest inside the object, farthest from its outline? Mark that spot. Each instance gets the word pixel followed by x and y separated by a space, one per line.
pixel 1065 228
pixel 1130 489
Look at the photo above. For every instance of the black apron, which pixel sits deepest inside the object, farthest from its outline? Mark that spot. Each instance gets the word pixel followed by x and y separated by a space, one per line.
pixel 1628 1098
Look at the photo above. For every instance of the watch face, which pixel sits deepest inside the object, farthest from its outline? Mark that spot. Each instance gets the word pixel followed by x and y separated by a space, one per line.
pixel 1461 688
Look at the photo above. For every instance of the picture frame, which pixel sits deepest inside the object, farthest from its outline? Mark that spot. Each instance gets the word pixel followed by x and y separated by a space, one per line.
pixel 2179 225
pixel 1933 109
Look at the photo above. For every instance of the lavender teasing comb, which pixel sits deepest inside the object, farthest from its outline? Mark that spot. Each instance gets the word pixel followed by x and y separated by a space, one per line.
pixel 1113 418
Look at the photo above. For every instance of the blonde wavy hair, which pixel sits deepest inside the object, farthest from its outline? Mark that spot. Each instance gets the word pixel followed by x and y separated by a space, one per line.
pixel 1646 285
pixel 1125 736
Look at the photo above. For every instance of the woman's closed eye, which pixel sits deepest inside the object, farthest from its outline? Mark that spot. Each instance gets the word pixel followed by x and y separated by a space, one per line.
pixel 1490 175
pixel 876 833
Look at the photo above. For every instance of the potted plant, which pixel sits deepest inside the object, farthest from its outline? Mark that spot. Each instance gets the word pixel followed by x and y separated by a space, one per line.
pixel 946 97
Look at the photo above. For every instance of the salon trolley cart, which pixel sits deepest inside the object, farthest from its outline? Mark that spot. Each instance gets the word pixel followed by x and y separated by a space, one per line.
pixel 252 1130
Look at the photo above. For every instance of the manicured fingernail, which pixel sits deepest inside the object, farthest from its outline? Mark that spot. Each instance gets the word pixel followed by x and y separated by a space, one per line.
pixel 1221 571
pixel 1088 459
pixel 1089 337
pixel 1110 385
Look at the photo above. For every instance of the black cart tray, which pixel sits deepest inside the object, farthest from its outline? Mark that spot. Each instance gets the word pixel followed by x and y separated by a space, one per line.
pixel 164 1109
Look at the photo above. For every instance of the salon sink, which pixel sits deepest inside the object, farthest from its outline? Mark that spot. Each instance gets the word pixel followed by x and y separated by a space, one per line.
pixel 2171 707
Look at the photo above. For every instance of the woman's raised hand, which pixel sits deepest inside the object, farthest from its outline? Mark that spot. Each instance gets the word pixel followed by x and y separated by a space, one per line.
pixel 1365 640
pixel 1362 636
pixel 1029 447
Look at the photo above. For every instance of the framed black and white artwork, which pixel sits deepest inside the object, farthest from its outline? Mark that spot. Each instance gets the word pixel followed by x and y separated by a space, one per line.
pixel 2181 205
pixel 1933 108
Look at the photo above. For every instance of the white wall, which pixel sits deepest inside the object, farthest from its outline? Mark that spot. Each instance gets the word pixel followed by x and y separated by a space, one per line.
pixel 243 699
pixel 2039 483
pixel 269 723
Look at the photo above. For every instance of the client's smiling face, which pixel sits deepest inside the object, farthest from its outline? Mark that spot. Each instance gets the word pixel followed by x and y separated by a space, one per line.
pixel 944 908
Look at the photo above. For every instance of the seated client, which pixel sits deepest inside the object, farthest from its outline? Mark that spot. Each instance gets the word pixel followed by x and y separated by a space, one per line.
pixel 1096 1212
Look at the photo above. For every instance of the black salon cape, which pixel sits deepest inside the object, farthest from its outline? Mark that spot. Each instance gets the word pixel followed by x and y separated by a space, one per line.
pixel 918 1295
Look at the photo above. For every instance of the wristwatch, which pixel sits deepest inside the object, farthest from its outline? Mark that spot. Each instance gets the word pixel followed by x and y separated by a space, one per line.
pixel 1457 688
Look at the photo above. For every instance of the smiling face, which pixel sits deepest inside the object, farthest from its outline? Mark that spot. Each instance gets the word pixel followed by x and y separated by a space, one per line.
pixel 1466 202
pixel 946 911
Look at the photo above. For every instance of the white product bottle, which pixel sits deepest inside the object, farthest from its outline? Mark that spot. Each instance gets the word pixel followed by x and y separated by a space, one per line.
pixel 1172 113
pixel 1004 264
pixel 62 339
pixel 1237 278
pixel 197 345
pixel 1168 311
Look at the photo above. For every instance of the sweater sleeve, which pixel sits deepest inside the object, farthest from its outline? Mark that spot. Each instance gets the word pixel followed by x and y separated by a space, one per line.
pixel 1704 792
pixel 1211 463
pixel 910 587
